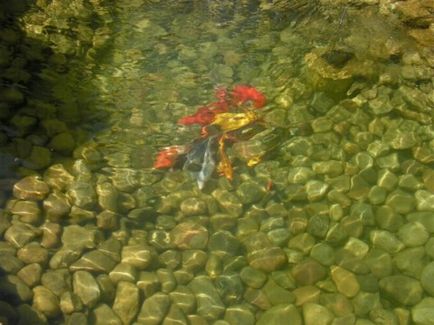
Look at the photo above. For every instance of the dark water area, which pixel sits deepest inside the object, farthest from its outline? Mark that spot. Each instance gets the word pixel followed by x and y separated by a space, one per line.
pixel 310 201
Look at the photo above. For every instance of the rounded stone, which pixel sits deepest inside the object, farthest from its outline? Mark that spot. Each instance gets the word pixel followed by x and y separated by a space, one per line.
pixel 405 290
pixel 423 312
pixel 300 175
pixel 126 304
pixel 250 192
pixel 28 211
pixel 33 253
pixel 280 314
pixel 427 277
pixel 40 157
pixel 46 302
pixel 402 202
pixel 31 188
pixel 189 235
pixel 62 142
pixel 346 282
pixel 308 272
pixel 413 234
pixel 56 206
pixel 86 287
pixel 252 277
pixel 193 207
pixel 315 314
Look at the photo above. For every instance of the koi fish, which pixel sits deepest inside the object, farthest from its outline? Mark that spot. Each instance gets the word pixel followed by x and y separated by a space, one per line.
pixel 242 94
pixel 234 121
pixel 167 157
pixel 200 161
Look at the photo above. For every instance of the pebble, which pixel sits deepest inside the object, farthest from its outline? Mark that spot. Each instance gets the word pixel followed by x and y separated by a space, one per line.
pixel 346 282
pixel 386 240
pixel 86 287
pixel 426 278
pixel 308 272
pixel 189 235
pixel 175 316
pixel 331 168
pixel 154 309
pixel 31 188
pixel 123 272
pixel 405 290
pixel 139 256
pixel 209 303
pixel 315 314
pixel 423 312
pixel 30 274
pixel 126 303
pixel 280 314
pixel 70 303
pixel 250 192
pixel 239 314
pixel 56 206
pixel 20 234
pixel 94 261
pixel 193 207
pixel 28 211
pixel 57 177
pixel 10 263
pixel 15 289
pixel 149 283
pixel 300 175
pixel 46 302
pixel 229 202
pixel 402 202
pixel 413 234
pixel 102 315
pixel 267 259
pixel 424 200
pixel 78 238
pixel 33 253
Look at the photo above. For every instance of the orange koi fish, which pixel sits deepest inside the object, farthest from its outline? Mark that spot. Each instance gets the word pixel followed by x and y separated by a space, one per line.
pixel 167 157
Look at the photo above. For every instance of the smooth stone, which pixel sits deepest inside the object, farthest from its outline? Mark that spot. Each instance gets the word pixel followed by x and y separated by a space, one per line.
pixel 33 253
pixel 70 303
pixel 94 261
pixel 82 195
pixel 229 202
pixel 194 260
pixel 308 272
pixel 10 264
pixel 184 298
pixel 356 247
pixel 257 298
pixel 318 225
pixel 364 302
pixel 50 234
pixel 377 195
pixel 149 283
pixel 315 314
pixel 402 202
pixel 139 256
pixel 409 182
pixel 423 312
pixel 413 234
pixel 276 294
pixel 104 315
pixel 411 261
pixel 170 258
pixel 78 238
pixel 405 290
pixel 30 274
pixel 316 190
pixel 239 314
pixel 58 281
pixel 56 206
pixel 57 177
pixel 8 315
pixel 19 234
pixel 31 188
pixel 108 196
pixel 223 243
pixel 167 280
pixel 46 302
pixel 337 303
pixel 280 314
pixel 331 168
pixel 154 309
pixel 126 304
pixel 40 158
pixel 306 294
pixel 175 316
pixel 250 192
pixel 424 200
pixel 112 248
pixel 424 217
pixel 267 259
pixel 108 220
pixel 426 278
pixel 323 253
pixel 62 142
pixel 302 242
pixel 386 218
pixel 15 289
pixel 230 288
pixel 390 161
pixel 346 282
pixel 107 288
pixel 209 303
pixel 189 235
pixel 86 287
pixel 386 240
pixel 300 175
pixel 28 211
pixel 379 262
pixel 252 277
pixel 193 207
pixel 124 272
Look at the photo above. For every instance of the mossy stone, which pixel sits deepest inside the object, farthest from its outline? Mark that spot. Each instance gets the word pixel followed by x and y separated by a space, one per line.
pixel 62 142
pixel 40 157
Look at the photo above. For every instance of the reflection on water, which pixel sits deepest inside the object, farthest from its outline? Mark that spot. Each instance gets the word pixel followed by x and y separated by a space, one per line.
pixel 333 225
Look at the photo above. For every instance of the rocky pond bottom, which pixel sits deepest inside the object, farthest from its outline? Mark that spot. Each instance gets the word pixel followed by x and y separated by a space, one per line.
pixel 335 224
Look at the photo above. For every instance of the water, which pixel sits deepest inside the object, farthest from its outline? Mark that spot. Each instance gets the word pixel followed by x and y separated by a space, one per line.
pixel 334 222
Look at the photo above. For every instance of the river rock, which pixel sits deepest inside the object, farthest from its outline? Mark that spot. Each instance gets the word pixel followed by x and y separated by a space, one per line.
pixel 209 304
pixel 70 302
pixel 78 238
pixel 10 263
pixel 229 202
pixel 56 206
pixel 239 314
pixel 20 234
pixel 189 235
pixel 308 272
pixel 103 314
pixel 426 278
pixel 413 234
pixel 31 188
pixel 86 288
pixel 154 309
pixel 30 274
pixel 82 195
pixel 46 302
pixel 423 312
pixel 33 253
pixel 126 304
pixel 15 289
pixel 94 261
pixel 139 256
pixel 280 314
pixel 58 177
pixel 424 200
pixel 193 207
pixel 346 282
pixel 403 289
pixel 315 314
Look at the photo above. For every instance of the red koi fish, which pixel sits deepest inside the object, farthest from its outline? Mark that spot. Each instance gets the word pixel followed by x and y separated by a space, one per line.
pixel 206 114
pixel 167 157
pixel 242 94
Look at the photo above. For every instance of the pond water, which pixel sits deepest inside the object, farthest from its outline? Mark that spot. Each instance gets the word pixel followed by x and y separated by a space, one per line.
pixel 328 217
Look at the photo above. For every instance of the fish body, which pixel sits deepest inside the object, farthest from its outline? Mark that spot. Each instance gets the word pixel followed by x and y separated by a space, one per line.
pixel 167 157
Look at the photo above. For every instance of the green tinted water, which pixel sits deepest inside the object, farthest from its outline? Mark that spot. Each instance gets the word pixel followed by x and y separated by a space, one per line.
pixel 333 226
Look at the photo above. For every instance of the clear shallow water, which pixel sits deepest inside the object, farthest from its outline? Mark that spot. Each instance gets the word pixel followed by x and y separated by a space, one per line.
pixel 349 88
